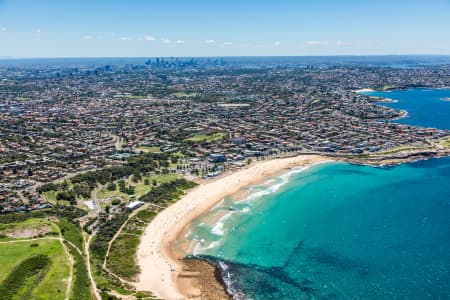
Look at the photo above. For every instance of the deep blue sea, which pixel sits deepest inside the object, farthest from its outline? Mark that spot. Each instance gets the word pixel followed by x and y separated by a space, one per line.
pixel 340 231
pixel 425 107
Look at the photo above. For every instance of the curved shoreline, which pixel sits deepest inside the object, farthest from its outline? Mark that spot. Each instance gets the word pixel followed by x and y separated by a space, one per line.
pixel 160 265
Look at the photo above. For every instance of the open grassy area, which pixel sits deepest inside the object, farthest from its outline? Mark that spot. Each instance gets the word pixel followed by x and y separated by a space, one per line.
pixel 33 227
pixel 135 97
pixel 22 99
pixel 148 149
pixel 207 138
pixel 178 154
pixel 50 196
pixel 398 149
pixel 445 142
pixel 104 194
pixel 53 283
pixel 183 94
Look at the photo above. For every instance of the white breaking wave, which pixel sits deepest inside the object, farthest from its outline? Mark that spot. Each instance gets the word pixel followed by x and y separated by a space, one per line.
pixel 195 252
pixel 281 181
pixel 245 210
pixel 212 245
pixel 218 228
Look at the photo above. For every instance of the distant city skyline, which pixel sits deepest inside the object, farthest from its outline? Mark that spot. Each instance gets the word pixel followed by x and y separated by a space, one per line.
pixel 111 28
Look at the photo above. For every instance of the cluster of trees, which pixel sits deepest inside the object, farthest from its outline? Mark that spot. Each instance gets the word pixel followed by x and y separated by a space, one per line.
pixel 167 191
pixel 64 192
pixel 85 183
pixel 52 187
pixel 124 189
pixel 82 190
pixel 111 186
pixel 66 212
pixel 67 196
pixel 103 176
pixel 105 233
pixel 148 162
pixel 33 266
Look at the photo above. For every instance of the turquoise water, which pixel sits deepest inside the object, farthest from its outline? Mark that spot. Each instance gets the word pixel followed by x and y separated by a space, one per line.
pixel 336 231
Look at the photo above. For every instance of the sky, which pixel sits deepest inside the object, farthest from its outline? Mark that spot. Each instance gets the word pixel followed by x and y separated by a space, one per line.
pixel 143 28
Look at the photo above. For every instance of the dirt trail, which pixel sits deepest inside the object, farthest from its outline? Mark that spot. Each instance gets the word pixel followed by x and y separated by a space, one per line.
pixel 113 239
pixel 88 264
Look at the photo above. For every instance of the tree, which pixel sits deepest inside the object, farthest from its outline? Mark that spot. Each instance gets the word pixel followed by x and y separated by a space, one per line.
pixel 65 185
pixel 130 190
pixel 111 186
pixel 122 186
pixel 136 177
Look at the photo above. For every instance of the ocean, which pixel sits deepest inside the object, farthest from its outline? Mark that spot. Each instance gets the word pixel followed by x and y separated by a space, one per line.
pixel 338 230
pixel 425 107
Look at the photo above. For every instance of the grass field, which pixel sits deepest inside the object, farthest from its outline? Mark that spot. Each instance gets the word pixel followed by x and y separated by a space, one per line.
pixel 22 99
pixel 104 194
pixel 207 138
pixel 183 94
pixel 53 283
pixel 445 142
pixel 50 196
pixel 135 97
pixel 148 149
pixel 398 149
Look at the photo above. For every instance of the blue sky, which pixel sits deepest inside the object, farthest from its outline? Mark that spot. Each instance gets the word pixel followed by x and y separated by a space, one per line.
pixel 63 28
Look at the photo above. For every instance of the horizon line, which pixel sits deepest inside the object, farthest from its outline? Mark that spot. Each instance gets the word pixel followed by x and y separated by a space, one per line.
pixel 219 56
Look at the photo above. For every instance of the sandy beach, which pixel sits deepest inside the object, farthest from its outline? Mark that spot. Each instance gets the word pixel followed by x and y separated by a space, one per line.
pixel 160 264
